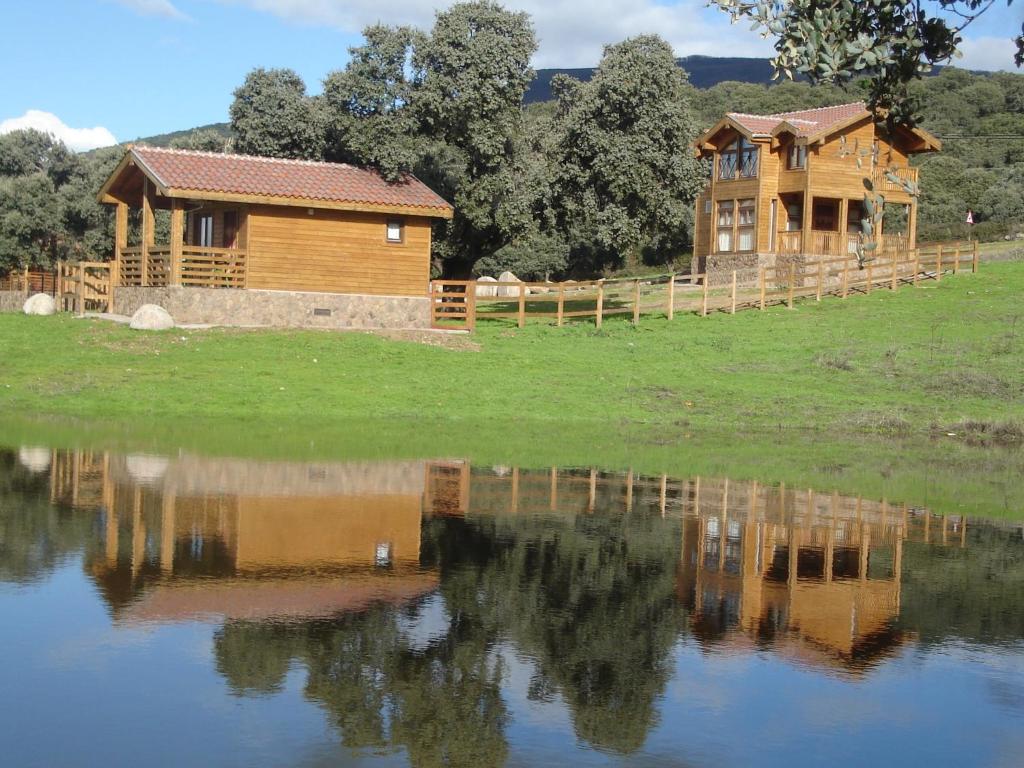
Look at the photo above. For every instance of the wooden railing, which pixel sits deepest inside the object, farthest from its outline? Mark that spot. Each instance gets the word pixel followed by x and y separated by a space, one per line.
pixel 883 183
pixel 833 243
pixel 198 267
pixel 790 241
pixel 461 304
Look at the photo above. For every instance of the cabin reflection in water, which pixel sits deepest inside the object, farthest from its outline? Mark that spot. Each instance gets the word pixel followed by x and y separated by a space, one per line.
pixel 188 537
pixel 815 577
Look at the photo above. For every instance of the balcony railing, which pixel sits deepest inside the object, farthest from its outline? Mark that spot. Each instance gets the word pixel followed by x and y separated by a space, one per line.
pixel 834 243
pixel 884 184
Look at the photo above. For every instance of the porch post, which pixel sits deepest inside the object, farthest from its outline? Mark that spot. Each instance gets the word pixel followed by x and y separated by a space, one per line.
pixel 805 234
pixel 148 230
pixel 177 236
pixel 912 225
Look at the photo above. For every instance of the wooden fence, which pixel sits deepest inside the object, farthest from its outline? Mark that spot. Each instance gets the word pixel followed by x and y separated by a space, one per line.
pixel 197 267
pixel 85 287
pixel 30 281
pixel 459 304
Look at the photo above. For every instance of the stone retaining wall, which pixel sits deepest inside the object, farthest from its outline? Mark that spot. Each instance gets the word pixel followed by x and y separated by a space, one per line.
pixel 12 301
pixel 280 309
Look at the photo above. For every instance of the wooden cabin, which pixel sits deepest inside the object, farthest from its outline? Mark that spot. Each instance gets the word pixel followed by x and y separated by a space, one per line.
pixel 296 242
pixel 790 184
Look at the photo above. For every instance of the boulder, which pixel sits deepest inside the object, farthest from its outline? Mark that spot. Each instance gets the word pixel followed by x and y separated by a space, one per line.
pixel 35 459
pixel 508 290
pixel 40 304
pixel 486 290
pixel 151 317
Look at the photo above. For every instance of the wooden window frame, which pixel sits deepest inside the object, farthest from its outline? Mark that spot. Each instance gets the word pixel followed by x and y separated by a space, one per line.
pixel 801 153
pixel 202 232
pixel 730 227
pixel 741 207
pixel 737 156
pixel 401 231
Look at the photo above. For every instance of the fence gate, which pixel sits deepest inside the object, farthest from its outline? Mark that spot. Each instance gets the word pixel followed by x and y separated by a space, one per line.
pixel 453 304
pixel 85 287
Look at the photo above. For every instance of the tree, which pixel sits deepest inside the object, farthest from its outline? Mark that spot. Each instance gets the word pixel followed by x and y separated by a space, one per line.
pixel 474 70
pixel 891 42
pixel 272 116
pixel 202 140
pixel 368 113
pixel 621 171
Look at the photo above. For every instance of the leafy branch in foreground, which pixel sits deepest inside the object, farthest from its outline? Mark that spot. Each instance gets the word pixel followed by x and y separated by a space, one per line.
pixel 891 42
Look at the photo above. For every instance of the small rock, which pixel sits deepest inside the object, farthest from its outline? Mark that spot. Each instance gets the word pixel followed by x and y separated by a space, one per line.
pixel 40 304
pixel 151 317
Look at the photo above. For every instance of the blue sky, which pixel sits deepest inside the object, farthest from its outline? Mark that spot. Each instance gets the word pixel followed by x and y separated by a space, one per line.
pixel 92 71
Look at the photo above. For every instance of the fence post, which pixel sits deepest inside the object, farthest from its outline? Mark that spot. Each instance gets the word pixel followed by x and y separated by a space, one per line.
pixel 974 257
pixel 471 306
pixel 894 285
pixel 732 308
pixel 846 278
pixel 636 302
pixel 80 292
pixel 938 264
pixel 956 261
pixel 671 295
pixel 869 278
pixel 704 300
pixel 817 295
pixel 599 314
pixel 27 285
pixel 561 303
pixel 522 304
pixel 792 283
pixel 763 270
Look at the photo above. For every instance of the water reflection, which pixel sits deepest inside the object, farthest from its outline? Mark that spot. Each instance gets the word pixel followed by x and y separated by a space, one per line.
pixel 421 598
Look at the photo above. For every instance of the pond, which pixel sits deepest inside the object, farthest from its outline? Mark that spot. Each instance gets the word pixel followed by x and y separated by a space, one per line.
pixel 188 610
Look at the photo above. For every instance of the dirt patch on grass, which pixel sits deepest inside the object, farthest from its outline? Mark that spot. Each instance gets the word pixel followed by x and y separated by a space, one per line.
pixel 981 432
pixel 882 422
pixel 462 342
pixel 841 360
pixel 973 383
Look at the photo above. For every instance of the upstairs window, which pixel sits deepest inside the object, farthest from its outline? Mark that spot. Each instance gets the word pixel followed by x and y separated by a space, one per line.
pixel 395 231
pixel 797 157
pixel 738 160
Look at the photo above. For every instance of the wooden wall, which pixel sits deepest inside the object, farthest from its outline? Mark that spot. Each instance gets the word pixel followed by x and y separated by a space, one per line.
pixel 336 252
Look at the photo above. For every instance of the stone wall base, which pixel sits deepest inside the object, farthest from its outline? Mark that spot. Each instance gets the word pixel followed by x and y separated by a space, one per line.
pixel 12 301
pixel 279 309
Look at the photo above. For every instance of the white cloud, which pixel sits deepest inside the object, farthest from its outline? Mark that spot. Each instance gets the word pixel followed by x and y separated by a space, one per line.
pixel 163 8
pixel 571 33
pixel 78 139
pixel 987 53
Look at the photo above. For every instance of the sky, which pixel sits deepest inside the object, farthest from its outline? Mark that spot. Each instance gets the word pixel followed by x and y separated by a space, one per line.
pixel 96 72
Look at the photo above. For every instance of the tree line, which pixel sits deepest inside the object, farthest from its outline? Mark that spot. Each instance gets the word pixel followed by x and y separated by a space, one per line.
pixel 600 178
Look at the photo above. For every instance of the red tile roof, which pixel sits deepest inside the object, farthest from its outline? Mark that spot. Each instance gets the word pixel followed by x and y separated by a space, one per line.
pixel 807 121
pixel 303 180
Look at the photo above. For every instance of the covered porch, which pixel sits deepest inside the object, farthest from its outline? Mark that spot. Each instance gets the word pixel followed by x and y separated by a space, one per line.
pixel 201 244
pixel 831 226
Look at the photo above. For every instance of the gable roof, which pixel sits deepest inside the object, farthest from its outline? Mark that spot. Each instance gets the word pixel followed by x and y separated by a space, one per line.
pixel 211 175
pixel 809 125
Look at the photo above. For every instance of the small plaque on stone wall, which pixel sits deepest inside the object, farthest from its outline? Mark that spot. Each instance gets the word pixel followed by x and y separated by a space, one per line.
pixel 321 312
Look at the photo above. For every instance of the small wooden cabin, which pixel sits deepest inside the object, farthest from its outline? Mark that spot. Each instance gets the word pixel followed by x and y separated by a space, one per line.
pixel 789 183
pixel 350 248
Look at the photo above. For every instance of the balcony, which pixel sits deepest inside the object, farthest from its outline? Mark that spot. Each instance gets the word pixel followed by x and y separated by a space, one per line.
pixel 883 183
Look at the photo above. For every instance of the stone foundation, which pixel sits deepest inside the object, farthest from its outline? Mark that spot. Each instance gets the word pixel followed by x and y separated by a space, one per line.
pixel 279 309
pixel 12 301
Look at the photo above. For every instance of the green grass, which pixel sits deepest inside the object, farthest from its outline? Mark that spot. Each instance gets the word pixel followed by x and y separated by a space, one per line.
pixel 914 361
pixel 856 396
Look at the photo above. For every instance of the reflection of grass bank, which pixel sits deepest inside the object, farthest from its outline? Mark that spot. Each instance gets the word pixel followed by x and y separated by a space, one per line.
pixel 915 361
pixel 942 474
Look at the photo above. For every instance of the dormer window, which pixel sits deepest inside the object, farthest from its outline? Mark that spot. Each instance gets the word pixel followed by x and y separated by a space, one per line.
pixel 738 160
pixel 797 157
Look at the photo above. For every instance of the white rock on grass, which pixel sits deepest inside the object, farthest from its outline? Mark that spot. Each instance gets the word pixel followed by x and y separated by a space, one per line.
pixel 508 290
pixel 40 304
pixel 151 317
pixel 486 290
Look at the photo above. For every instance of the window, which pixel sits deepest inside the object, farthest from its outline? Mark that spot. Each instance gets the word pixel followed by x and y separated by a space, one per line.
pixel 797 157
pixel 205 228
pixel 745 226
pixel 396 230
pixel 725 221
pixel 739 156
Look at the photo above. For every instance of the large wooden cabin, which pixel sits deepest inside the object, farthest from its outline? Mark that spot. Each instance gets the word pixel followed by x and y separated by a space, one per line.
pixel 349 248
pixel 790 184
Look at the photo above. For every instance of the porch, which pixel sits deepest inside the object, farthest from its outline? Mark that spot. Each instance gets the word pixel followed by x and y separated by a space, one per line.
pixel 831 226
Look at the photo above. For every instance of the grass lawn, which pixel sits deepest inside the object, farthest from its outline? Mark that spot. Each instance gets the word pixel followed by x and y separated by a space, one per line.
pixel 918 360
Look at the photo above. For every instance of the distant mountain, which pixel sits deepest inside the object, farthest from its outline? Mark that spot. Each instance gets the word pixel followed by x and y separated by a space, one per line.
pixel 165 139
pixel 704 71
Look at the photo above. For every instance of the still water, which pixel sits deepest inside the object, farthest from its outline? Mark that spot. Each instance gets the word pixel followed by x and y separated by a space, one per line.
pixel 199 611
